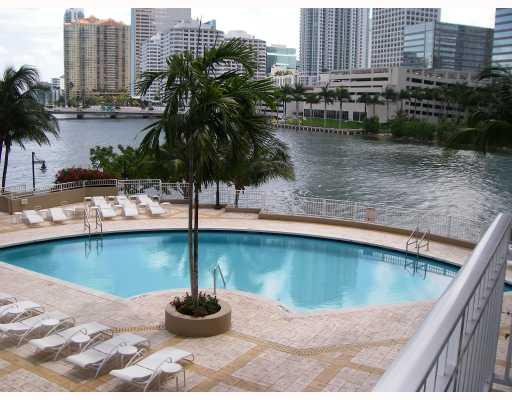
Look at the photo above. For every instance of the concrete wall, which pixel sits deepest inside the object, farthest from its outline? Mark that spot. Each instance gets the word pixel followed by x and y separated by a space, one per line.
pixel 54 199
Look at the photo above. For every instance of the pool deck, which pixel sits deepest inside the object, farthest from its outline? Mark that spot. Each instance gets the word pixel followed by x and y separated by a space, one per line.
pixel 268 348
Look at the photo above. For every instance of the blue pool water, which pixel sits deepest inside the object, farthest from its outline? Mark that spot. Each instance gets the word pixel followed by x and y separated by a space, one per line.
pixel 300 272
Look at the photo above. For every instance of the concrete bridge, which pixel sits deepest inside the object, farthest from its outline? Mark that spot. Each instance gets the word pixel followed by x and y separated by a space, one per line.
pixel 97 112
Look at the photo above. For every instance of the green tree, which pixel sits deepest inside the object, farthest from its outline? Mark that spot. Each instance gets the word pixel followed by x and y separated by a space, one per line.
pixel 327 96
pixel 204 114
pixel 404 94
pixel 298 95
pixel 22 118
pixel 341 94
pixel 311 98
pixel 390 96
pixel 373 101
pixel 490 125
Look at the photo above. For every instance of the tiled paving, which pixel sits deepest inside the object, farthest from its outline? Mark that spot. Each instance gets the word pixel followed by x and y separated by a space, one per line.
pixel 268 348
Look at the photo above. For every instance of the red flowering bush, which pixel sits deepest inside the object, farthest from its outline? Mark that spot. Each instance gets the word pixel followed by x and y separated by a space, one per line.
pixel 80 174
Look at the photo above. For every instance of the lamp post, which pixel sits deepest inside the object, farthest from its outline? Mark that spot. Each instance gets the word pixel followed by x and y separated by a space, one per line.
pixel 35 160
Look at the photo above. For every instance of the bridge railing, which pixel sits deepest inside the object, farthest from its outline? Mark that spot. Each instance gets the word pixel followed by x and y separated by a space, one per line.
pixel 455 347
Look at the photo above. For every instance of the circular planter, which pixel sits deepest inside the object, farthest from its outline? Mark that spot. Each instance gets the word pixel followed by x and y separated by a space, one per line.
pixel 187 326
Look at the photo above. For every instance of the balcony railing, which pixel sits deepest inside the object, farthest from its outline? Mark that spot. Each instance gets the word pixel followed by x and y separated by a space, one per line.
pixel 455 347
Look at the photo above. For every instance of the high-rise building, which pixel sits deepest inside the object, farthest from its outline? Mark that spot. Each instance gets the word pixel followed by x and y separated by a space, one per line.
pixel 73 14
pixel 191 35
pixel 278 55
pixel 502 46
pixel 96 57
pixel 145 23
pixel 260 52
pixel 388 26
pixel 333 38
pixel 440 45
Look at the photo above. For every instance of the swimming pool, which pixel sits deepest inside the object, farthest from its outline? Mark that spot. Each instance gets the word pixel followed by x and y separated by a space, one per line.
pixel 303 273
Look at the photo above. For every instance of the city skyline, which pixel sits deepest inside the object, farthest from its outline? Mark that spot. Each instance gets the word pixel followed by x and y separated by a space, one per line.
pixel 44 47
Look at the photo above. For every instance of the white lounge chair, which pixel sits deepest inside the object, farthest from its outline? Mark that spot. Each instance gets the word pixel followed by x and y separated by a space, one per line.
pixel 121 198
pixel 107 212
pixel 32 217
pixel 100 201
pixel 146 371
pixel 22 309
pixel 80 335
pixel 97 355
pixel 128 207
pixel 57 214
pixel 144 199
pixel 156 209
pixel 6 298
pixel 53 321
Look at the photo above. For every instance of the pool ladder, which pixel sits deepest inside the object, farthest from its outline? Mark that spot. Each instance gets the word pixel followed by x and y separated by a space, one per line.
pixel 217 269
pixel 98 220
pixel 418 240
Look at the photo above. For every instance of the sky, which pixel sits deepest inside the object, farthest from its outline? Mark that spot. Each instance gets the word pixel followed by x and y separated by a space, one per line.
pixel 34 36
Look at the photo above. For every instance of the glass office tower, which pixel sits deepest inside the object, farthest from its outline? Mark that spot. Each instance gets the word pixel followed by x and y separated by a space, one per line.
pixel 281 56
pixel 440 45
pixel 502 46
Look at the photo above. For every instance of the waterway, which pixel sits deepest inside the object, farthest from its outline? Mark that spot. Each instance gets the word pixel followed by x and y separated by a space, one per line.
pixel 326 165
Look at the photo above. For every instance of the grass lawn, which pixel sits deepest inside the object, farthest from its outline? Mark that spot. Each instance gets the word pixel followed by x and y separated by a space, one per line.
pixel 329 123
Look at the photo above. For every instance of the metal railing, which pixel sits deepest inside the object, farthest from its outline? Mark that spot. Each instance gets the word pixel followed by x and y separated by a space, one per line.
pixel 217 269
pixel 287 203
pixel 455 347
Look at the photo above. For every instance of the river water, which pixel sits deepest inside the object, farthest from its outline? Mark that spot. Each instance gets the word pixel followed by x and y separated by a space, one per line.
pixel 341 167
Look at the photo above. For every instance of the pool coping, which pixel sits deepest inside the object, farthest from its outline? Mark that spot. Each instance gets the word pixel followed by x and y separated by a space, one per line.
pixel 287 312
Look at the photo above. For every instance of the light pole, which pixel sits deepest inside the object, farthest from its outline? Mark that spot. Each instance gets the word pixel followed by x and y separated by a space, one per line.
pixel 43 167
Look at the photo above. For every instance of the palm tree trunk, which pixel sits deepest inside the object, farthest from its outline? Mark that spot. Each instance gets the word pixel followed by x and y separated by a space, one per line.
pixel 6 162
pixel 325 113
pixel 341 113
pixel 193 283
pixel 237 196
pixel 387 110
pixel 195 288
pixel 217 196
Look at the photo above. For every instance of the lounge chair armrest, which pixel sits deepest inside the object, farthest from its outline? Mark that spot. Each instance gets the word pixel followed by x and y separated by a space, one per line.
pixel 136 357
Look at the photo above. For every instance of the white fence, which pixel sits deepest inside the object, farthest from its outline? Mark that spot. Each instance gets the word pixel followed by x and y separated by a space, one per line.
pixel 287 203
pixel 455 347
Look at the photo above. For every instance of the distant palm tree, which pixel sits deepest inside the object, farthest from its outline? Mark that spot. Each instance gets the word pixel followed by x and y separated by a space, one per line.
pixel 390 95
pixel 373 101
pixel 418 95
pixel 327 96
pixel 286 97
pixel 364 98
pixel 404 94
pixel 22 117
pixel 298 95
pixel 341 94
pixel 311 98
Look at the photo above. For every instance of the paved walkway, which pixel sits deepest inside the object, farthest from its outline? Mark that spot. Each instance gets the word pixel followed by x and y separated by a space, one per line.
pixel 268 348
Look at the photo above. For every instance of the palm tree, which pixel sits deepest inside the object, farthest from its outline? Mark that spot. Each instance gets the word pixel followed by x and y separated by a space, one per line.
pixel 286 97
pixel 22 117
pixel 490 124
pixel 390 96
pixel 311 98
pixel 298 95
pixel 404 94
pixel 418 95
pixel 206 113
pixel 326 95
pixel 259 165
pixel 363 98
pixel 341 94
pixel 373 100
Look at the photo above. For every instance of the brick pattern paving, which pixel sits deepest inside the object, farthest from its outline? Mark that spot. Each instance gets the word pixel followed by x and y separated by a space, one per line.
pixel 268 348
